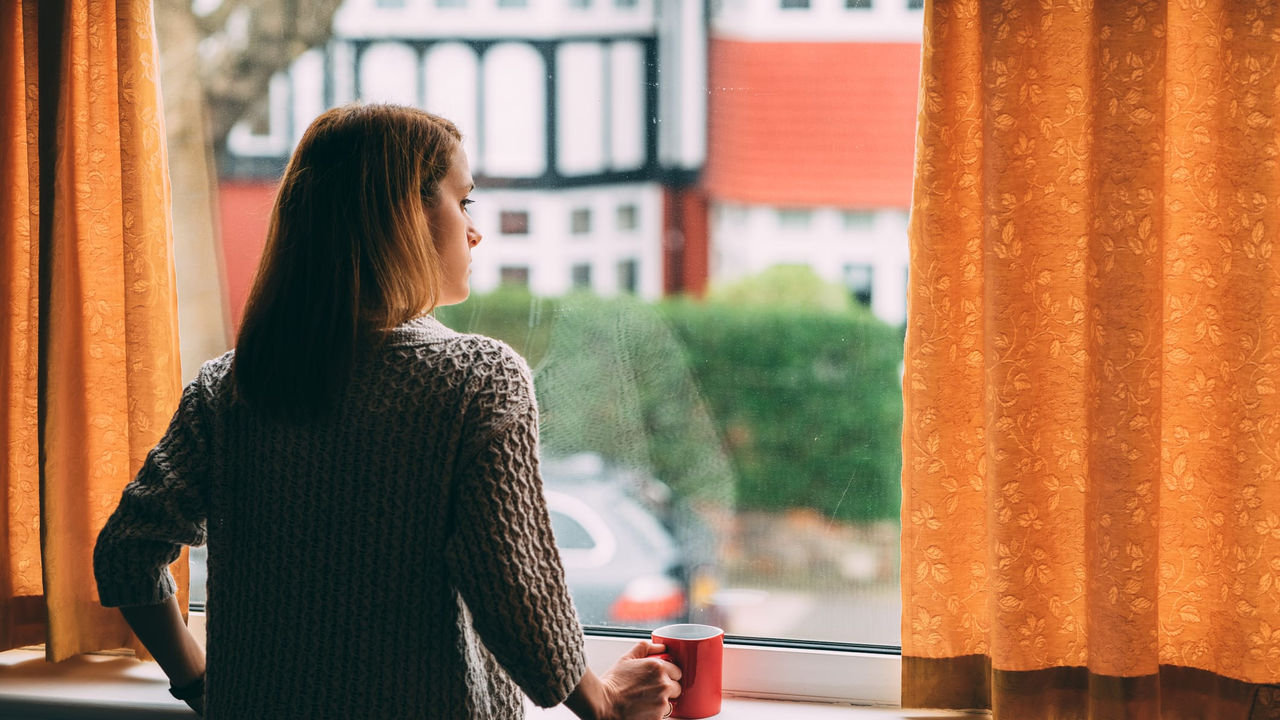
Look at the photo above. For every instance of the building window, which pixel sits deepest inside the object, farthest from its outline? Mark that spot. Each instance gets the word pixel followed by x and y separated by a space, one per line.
pixel 581 276
pixel 795 218
pixel 857 4
pixel 390 3
pixel 513 3
pixel 514 275
pixel 628 217
pixel 915 4
pixel 451 3
pixel 857 220
pixel 857 278
pixel 624 3
pixel 580 221
pixel 579 3
pixel 795 4
pixel 513 222
pixel 628 275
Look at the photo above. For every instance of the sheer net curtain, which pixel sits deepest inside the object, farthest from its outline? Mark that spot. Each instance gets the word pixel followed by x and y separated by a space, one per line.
pixel 89 371
pixel 1091 500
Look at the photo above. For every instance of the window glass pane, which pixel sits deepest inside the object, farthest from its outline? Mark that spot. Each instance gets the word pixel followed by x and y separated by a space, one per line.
pixel 721 409
pixel 513 222
pixel 793 219
pixel 628 217
pixel 858 279
pixel 570 534
pixel 628 275
pixel 514 276
pixel 857 220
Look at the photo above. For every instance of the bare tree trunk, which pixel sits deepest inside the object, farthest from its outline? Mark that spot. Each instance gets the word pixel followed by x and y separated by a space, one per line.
pixel 203 327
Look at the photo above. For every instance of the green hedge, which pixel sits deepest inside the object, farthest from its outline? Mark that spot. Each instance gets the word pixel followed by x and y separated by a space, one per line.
pixel 756 407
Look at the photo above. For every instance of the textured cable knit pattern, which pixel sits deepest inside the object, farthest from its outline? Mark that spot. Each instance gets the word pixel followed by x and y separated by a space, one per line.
pixel 394 561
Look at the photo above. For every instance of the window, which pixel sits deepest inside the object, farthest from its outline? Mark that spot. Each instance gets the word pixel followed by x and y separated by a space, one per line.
pixel 628 275
pixel 391 3
pixel 857 4
pixel 915 4
pixel 857 278
pixel 628 217
pixel 795 218
pixel 514 275
pixel 678 424
pixel 513 222
pixel 570 534
pixel 857 220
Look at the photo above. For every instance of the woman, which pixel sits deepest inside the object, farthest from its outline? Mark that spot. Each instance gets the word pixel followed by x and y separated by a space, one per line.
pixel 379 546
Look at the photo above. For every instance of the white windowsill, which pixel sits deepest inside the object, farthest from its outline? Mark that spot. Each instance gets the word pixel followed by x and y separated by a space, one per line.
pixel 93 687
pixel 90 687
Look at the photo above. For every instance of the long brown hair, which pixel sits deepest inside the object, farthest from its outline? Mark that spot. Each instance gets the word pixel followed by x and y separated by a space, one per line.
pixel 348 254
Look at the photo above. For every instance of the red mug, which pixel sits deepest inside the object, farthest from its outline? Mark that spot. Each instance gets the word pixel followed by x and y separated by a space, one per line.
pixel 698 650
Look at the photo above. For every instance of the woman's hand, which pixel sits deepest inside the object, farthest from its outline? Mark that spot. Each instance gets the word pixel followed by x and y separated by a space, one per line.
pixel 640 686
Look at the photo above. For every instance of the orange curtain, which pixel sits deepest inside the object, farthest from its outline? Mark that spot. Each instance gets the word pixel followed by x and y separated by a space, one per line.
pixel 88 339
pixel 1091 507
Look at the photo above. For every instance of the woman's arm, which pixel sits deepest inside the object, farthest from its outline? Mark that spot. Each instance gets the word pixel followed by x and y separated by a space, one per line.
pixel 163 633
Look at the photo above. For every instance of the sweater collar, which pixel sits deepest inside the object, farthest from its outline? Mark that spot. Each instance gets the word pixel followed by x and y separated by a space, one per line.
pixel 419 331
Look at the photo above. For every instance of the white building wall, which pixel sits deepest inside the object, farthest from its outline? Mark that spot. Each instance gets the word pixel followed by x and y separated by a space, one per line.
pixel 823 20
pixel 747 240
pixel 515 111
pixel 485 18
pixel 626 117
pixel 581 116
pixel 551 249
pixel 451 76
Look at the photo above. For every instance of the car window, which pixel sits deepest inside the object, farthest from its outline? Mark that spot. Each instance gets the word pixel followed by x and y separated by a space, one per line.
pixel 570 535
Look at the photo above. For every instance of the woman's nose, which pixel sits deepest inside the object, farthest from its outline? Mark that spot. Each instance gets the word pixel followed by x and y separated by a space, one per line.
pixel 474 237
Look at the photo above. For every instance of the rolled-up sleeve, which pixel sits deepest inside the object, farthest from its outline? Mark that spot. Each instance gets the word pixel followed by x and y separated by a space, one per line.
pixel 502 555
pixel 162 509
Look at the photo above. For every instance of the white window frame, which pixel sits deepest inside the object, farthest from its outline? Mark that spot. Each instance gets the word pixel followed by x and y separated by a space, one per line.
pixel 787 673
pixel 803 674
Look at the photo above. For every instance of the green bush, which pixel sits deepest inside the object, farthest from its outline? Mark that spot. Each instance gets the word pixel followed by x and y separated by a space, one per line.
pixel 760 407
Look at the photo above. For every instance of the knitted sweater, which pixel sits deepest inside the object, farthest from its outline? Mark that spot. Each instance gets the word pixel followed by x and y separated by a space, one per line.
pixel 393 561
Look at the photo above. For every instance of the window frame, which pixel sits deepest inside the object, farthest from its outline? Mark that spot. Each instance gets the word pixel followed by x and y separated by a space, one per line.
pixel 795 670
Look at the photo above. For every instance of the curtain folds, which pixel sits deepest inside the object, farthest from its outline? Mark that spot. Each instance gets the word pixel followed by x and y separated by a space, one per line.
pixel 88 344
pixel 1091 514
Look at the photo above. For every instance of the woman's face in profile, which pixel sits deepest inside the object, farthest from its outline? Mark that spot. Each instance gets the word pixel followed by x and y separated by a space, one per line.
pixel 453 231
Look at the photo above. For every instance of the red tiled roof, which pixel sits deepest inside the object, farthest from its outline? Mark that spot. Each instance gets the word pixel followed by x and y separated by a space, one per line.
pixel 812 124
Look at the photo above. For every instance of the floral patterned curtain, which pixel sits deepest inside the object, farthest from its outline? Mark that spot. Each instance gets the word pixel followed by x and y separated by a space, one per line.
pixel 89 369
pixel 1091 500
